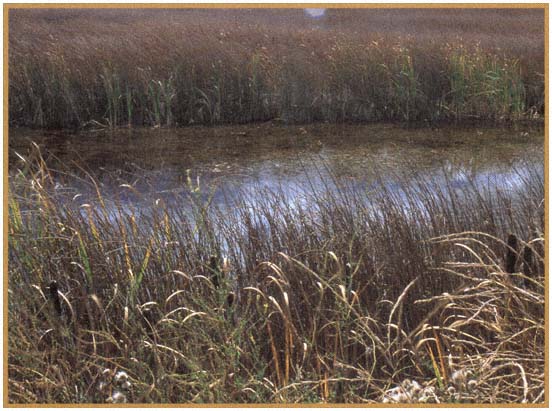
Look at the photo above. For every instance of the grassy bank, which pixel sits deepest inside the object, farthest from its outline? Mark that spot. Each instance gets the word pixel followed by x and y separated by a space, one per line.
pixel 346 298
pixel 78 68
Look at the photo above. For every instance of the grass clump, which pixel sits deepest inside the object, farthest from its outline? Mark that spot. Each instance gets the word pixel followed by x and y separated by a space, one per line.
pixel 347 297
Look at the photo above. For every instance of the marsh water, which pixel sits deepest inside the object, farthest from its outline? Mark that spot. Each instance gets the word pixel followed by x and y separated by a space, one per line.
pixel 137 166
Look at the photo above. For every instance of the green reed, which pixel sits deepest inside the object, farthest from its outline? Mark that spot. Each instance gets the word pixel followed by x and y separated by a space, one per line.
pixel 113 93
pixel 483 85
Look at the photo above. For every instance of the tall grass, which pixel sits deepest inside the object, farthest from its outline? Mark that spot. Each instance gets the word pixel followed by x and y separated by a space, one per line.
pixel 346 297
pixel 91 67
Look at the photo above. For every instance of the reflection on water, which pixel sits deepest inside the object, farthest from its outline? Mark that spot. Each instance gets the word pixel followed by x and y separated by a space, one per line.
pixel 136 167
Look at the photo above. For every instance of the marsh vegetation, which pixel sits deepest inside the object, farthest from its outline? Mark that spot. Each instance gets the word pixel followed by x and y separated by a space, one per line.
pixel 263 262
pixel 406 289
pixel 77 68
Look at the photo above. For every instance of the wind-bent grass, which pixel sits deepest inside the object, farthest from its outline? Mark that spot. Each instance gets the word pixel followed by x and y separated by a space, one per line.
pixel 346 297
pixel 77 68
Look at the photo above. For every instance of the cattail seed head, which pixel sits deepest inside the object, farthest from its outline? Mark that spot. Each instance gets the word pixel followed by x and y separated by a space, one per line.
pixel 230 299
pixel 54 296
pixel 511 254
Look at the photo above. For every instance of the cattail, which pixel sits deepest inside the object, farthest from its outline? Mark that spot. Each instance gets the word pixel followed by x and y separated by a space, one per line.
pixel 54 296
pixel 230 299
pixel 339 392
pixel 215 270
pixel 348 278
pixel 511 253
pixel 229 312
pixel 527 264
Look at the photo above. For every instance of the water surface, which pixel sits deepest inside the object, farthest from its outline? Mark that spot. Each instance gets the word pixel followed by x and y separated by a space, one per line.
pixel 139 166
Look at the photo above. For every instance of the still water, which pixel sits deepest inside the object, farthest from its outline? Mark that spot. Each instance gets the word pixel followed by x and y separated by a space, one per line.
pixel 139 166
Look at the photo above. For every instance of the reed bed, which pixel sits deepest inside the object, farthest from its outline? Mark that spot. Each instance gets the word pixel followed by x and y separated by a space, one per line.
pixel 112 68
pixel 347 297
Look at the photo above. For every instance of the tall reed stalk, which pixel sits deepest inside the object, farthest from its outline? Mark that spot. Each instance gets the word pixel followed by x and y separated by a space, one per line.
pixel 346 297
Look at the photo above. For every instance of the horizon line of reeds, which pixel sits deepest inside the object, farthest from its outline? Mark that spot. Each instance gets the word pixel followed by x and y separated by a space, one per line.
pixel 327 79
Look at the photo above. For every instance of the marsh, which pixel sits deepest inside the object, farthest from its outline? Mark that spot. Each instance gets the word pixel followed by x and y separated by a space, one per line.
pixel 259 206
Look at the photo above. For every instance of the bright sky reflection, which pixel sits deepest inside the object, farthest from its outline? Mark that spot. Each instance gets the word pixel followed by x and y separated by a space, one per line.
pixel 315 12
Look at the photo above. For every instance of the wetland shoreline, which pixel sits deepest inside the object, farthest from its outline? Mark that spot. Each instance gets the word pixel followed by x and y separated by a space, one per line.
pixel 271 298
pixel 253 206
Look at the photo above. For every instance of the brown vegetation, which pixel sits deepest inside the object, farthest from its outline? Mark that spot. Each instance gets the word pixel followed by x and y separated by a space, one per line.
pixel 69 68
pixel 347 297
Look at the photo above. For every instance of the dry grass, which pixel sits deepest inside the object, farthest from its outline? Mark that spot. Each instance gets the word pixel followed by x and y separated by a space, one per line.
pixel 75 68
pixel 347 298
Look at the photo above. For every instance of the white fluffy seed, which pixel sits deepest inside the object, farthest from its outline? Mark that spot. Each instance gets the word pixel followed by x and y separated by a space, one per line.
pixel 117 398
pixel 120 377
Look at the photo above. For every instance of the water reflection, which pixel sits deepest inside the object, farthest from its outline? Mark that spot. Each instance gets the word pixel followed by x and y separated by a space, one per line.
pixel 137 167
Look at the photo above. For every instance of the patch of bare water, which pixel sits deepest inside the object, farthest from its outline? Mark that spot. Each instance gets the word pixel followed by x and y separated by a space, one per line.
pixel 164 163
